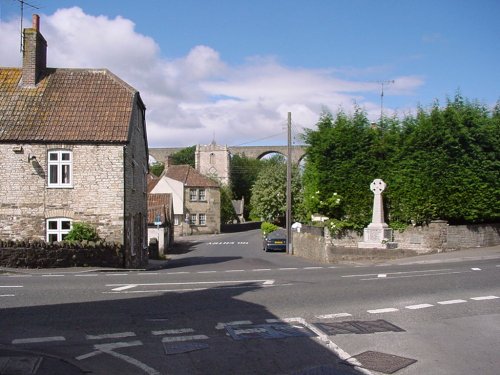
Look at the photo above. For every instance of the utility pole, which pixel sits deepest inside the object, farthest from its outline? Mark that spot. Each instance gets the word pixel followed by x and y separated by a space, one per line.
pixel 382 83
pixel 289 187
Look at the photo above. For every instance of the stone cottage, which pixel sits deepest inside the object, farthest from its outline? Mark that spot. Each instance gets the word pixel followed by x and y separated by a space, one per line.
pixel 196 199
pixel 73 148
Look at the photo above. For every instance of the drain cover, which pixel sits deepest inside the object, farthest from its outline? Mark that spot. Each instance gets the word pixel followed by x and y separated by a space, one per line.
pixel 383 362
pixel 183 347
pixel 358 327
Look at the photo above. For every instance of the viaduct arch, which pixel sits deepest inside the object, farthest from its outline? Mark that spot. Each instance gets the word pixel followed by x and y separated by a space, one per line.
pixel 254 152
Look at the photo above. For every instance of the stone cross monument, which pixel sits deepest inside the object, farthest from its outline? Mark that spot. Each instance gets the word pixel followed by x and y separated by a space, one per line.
pixel 377 235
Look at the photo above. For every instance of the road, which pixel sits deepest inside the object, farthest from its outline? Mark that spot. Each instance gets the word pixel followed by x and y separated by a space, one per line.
pixel 223 306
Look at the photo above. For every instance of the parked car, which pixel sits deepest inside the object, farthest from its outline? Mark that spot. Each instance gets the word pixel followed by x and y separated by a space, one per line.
pixel 275 241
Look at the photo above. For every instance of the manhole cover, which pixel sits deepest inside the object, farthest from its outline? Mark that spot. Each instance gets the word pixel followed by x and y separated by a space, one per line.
pixel 19 365
pixel 183 347
pixel 268 331
pixel 383 362
pixel 358 327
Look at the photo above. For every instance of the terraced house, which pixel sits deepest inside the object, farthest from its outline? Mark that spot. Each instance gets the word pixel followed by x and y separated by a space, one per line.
pixel 73 147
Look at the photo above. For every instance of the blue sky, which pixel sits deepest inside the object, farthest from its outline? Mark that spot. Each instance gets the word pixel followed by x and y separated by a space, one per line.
pixel 235 68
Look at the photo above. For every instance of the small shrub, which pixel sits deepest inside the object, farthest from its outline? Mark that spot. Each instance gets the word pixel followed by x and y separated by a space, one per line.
pixel 82 232
pixel 267 227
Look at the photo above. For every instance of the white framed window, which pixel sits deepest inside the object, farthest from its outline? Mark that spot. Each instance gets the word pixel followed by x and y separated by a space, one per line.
pixel 202 219
pixel 193 195
pixel 176 220
pixel 192 219
pixel 60 165
pixel 202 195
pixel 58 228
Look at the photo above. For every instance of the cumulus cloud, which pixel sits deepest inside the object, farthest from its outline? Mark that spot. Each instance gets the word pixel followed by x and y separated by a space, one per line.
pixel 192 98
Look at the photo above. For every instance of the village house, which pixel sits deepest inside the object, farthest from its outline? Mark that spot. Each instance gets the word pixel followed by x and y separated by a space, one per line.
pixel 161 222
pixel 73 148
pixel 196 199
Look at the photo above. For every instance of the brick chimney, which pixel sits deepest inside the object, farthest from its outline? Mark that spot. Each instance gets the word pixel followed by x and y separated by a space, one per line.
pixel 34 54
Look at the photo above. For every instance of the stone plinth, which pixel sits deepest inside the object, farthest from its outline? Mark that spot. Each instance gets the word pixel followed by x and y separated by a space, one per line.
pixel 377 235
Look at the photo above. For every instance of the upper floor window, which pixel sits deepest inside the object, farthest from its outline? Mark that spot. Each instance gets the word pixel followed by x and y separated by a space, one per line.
pixel 57 229
pixel 197 195
pixel 60 165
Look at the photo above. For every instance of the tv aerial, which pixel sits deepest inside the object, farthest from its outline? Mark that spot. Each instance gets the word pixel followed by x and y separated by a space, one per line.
pixel 382 84
pixel 22 3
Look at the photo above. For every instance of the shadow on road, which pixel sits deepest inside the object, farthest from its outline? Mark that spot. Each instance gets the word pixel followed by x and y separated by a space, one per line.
pixel 193 261
pixel 172 332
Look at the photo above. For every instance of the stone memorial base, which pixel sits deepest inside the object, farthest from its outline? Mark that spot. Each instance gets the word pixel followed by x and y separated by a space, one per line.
pixel 377 238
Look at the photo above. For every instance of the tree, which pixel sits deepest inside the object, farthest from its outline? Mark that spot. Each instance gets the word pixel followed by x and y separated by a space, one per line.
pixel 243 174
pixel 157 168
pixel 227 214
pixel 186 156
pixel 268 200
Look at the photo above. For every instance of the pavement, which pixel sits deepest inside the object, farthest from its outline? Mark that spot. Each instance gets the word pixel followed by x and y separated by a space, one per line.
pixel 22 362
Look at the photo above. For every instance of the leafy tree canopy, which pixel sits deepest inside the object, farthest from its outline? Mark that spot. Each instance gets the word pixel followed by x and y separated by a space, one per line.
pixel 186 156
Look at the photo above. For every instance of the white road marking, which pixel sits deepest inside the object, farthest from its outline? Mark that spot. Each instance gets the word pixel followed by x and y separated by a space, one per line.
pixel 52 275
pixel 125 287
pixel 333 267
pixel 235 323
pixel 380 275
pixel 184 338
pixel 419 275
pixel 484 298
pixel 117 335
pixel 234 271
pixel 333 316
pixel 476 269
pixel 206 272
pixel 452 301
pixel 381 311
pixel 19 276
pixel 11 286
pixel 261 269
pixel 420 306
pixel 87 275
pixel 147 273
pixel 7 295
pixel 117 274
pixel 177 273
pixel 313 268
pixel 172 331
pixel 288 268
pixel 38 340
pixel 108 349
pixel 398 273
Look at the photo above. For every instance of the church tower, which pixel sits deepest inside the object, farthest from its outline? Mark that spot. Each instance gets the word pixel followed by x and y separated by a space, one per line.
pixel 213 161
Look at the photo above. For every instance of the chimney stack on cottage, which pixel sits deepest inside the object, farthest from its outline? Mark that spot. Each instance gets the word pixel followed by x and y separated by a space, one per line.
pixel 34 54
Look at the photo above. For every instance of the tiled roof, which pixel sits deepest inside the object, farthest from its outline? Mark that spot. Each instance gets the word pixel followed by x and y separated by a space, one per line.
pixel 152 181
pixel 67 105
pixel 189 176
pixel 159 204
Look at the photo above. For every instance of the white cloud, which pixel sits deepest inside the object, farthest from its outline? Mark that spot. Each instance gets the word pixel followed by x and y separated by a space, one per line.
pixel 190 99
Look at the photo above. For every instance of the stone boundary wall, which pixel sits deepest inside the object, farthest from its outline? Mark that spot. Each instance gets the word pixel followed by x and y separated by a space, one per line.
pixel 33 257
pixel 438 236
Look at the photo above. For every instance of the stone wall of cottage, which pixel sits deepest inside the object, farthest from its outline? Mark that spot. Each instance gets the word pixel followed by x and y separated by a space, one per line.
pixel 96 196
pixel 211 208
pixel 135 192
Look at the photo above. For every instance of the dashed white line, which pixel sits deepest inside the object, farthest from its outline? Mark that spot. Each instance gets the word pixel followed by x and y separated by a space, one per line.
pixel 11 286
pixel 52 275
pixel 117 335
pixel 313 268
pixel 172 331
pixel 452 301
pixel 184 338
pixel 382 311
pixel 261 269
pixel 38 340
pixel 206 272
pixel 231 324
pixel 484 298
pixel 234 271
pixel 420 306
pixel 476 269
pixel 87 275
pixel 7 295
pixel 333 316
pixel 381 275
pixel 287 268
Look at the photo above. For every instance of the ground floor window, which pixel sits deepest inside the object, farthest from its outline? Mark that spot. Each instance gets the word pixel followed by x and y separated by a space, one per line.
pixel 192 219
pixel 57 229
pixel 202 219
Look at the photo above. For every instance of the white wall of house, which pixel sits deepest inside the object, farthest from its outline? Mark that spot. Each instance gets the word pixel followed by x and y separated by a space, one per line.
pixel 176 189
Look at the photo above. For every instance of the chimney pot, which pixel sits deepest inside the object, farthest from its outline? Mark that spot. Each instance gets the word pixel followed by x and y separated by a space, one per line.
pixel 36 22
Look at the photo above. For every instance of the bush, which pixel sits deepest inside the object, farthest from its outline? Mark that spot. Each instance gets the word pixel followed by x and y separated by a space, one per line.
pixel 82 232
pixel 267 227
